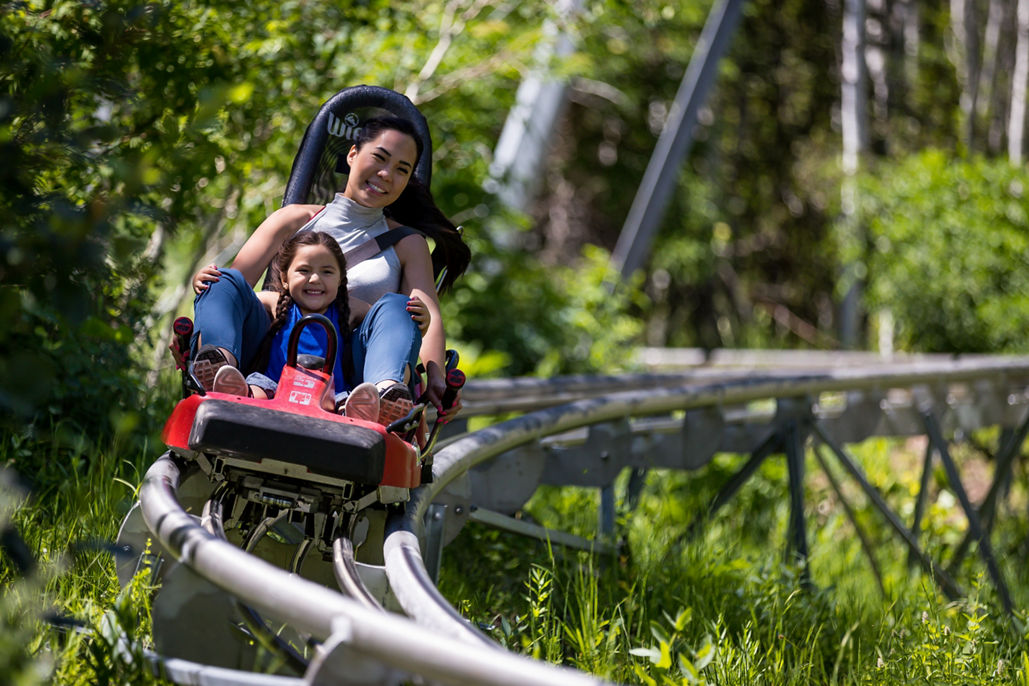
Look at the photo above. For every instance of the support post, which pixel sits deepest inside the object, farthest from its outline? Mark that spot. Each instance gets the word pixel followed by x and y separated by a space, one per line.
pixel 766 448
pixel 947 584
pixel 923 493
pixel 974 527
pixel 674 142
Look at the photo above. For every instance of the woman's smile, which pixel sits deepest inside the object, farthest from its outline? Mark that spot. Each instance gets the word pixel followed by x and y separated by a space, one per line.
pixel 380 170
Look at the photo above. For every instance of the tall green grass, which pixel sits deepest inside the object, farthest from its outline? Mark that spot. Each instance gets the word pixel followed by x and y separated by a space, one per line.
pixel 67 621
pixel 733 606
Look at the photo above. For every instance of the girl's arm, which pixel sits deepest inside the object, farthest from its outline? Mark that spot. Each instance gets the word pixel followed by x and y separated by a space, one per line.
pixel 417 282
pixel 257 252
pixel 203 279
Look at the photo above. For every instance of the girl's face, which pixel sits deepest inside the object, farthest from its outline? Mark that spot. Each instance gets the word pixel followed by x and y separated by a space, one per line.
pixel 313 278
pixel 380 170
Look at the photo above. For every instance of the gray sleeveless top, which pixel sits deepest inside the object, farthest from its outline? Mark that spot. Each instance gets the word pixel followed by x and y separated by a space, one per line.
pixel 351 224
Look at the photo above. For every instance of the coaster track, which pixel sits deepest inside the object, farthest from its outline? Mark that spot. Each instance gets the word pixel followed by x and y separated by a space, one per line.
pixel 584 431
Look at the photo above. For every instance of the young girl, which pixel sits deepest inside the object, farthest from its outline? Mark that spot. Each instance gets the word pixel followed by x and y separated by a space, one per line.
pixel 312 279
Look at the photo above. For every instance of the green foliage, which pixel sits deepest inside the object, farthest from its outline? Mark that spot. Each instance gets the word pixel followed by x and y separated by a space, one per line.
pixel 65 620
pixel 746 229
pixel 949 252
pixel 143 140
pixel 545 319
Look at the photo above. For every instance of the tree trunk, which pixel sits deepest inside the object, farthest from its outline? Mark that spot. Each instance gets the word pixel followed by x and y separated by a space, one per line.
pixel 991 42
pixel 875 42
pixel 853 100
pixel 966 60
pixel 912 37
pixel 1000 97
pixel 1016 121
pixel 854 117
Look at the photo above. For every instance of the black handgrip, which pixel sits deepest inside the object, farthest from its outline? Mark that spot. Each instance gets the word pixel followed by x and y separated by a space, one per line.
pixel 455 380
pixel 183 329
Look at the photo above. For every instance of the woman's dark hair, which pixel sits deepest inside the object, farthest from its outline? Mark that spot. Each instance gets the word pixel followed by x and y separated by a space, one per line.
pixel 416 207
pixel 371 128
pixel 285 258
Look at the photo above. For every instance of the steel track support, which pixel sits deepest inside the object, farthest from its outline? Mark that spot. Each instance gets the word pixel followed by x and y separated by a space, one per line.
pixel 975 529
pixel 435 520
pixel 673 144
pixel 923 493
pixel 793 443
pixel 946 583
pixel 1010 448
pixel 549 536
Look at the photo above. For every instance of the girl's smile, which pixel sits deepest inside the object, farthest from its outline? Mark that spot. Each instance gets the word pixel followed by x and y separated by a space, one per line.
pixel 313 278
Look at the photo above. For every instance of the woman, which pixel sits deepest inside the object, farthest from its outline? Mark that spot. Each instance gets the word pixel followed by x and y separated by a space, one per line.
pixel 379 194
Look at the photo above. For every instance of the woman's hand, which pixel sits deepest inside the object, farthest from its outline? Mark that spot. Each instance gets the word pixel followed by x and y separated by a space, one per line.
pixel 435 385
pixel 419 313
pixel 204 277
pixel 449 413
pixel 436 388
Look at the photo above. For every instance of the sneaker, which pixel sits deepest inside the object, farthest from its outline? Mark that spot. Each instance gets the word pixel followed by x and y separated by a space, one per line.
pixel 230 380
pixel 395 402
pixel 206 364
pixel 363 403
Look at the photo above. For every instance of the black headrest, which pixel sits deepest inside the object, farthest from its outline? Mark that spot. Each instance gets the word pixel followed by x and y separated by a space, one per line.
pixel 330 134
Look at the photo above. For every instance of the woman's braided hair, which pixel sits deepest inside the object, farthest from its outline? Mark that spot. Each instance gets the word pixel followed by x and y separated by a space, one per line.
pixel 285 258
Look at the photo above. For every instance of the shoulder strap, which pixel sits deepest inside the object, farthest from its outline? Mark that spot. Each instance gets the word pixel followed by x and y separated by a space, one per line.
pixel 374 246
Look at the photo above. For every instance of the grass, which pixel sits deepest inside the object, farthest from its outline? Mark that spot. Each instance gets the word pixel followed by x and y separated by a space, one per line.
pixel 730 606
pixel 67 621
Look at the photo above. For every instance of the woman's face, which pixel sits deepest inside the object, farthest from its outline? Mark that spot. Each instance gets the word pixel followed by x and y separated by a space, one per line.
pixel 313 278
pixel 380 170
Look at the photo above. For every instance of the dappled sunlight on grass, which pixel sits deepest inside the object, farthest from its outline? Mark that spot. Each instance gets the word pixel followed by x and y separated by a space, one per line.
pixel 730 604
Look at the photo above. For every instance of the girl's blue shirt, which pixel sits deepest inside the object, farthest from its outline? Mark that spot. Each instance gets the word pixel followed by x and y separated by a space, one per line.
pixel 312 342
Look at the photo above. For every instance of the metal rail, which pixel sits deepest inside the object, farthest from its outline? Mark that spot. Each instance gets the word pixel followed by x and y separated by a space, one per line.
pixel 387 647
pixel 668 420
pixel 998 383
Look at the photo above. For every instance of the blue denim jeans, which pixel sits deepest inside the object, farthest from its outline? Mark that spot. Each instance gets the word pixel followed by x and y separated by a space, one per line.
pixel 387 342
pixel 229 315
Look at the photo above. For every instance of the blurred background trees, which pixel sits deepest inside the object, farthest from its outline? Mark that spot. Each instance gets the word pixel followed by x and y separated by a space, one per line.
pixel 142 140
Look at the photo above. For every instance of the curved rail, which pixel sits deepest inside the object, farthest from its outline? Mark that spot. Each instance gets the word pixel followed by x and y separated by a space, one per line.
pixel 441 645
pixel 382 638
pixel 930 384
pixel 347 576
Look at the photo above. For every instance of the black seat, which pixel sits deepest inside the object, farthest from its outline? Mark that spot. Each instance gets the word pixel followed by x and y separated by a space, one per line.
pixel 324 447
pixel 320 167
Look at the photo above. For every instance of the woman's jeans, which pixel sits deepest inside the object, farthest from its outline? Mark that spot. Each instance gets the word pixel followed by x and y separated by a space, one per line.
pixel 229 315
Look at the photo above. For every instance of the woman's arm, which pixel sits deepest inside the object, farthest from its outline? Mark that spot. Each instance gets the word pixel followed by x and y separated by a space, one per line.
pixel 417 282
pixel 358 309
pixel 270 299
pixel 257 252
